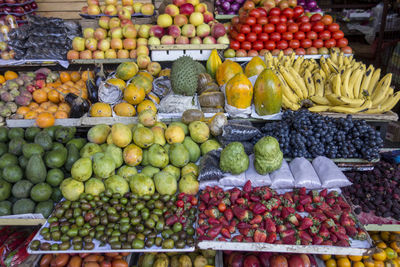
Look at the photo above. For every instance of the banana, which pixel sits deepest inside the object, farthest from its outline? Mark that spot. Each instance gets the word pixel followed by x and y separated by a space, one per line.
pixel 291 82
pixel 322 73
pixel 336 84
pixel 328 88
pixel 310 68
pixel 267 57
pixel 382 85
pixel 357 84
pixel 299 81
pixel 346 61
pixel 334 99
pixel 349 110
pixel 352 81
pixel 287 92
pixel 320 100
pixel 319 84
pixel 345 82
pixel 332 66
pixel 334 57
pixel 297 64
pixel 381 100
pixel 344 101
pixel 367 79
pixel 309 82
pixel 292 58
pixel 280 55
pixel 391 102
pixel 324 66
pixel 319 108
pixel 289 105
pixel 374 80
pixel 340 60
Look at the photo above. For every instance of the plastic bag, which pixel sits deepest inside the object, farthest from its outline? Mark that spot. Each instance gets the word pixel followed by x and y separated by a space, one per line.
pixel 304 174
pixel 209 166
pixel 256 178
pixel 282 178
pixel 109 93
pixel 230 179
pixel 329 174
pixel 233 111
pixel 161 86
pixel 177 103
pixel 239 132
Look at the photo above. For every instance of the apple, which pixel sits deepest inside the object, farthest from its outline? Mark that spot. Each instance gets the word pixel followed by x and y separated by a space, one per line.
pixel 196 40
pixel 306 260
pixel 143 61
pixel 125 22
pixel 130 8
pixel 116 44
pixel 154 68
pixel 141 42
pixel 156 31
pixel 218 30
pixel 129 43
pixel 84 9
pixel 193 2
pixel 3 46
pixel 111 2
pixel 110 10
pixel 142 50
pixel 116 33
pixel 72 54
pixel 137 7
pixel 208 16
pixel 174 31
pixel 200 8
pixel 252 53
pixel 167 40
pixel 144 31
pixel 203 30
pixel 98 54
pixel 229 53
pixel 93 10
pixel 91 44
pixel 100 34
pixel 186 9
pixel 86 54
pixel 103 45
pixel 133 53
pixel 5 55
pixel 180 20
pixel 102 8
pixel 164 20
pixel 78 44
pixel 88 33
pixel 209 40
pixel 172 10
pixel 137 26
pixel 124 13
pixel 147 9
pixel 189 30
pixel 11 54
pixel 182 40
pixel 129 31
pixel 154 41
pixel 114 22
pixel 104 22
pixel 196 18
pixel 110 53
pixel 123 53
pixel 223 39
pixel 178 2
pixel 127 2
pixel 92 2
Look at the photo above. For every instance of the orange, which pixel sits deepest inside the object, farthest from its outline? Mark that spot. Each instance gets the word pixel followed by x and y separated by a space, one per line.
pixel 46 89
pixel 390 253
pixel 23 110
pixel 358 264
pixel 52 109
pixel 45 119
pixel 9 75
pixel 385 236
pixel 330 263
pixel 343 262
pixel 325 257
pixel 379 264
pixel 39 96
pixel 86 74
pixel 65 77
pixel 124 109
pixel 40 110
pixel 340 256
pixel 30 115
pixel 381 245
pixel 64 107
pixel 380 255
pixel 61 115
pixel 33 105
pixel 75 76
pixel 395 246
pixel 53 96
pixel 45 105
pixel 2 79
pixel 134 95
pixel 355 258
pixel 69 83
pixel 146 104
pixel 100 110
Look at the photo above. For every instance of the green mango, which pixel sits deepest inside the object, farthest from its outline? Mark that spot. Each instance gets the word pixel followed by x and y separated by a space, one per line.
pixel 73 155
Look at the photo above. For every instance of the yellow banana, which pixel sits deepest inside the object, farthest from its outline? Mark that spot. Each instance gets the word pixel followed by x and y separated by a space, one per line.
pixel 320 100
pixel 391 102
pixel 332 66
pixel 381 100
pixel 357 84
pixel 340 60
pixel 345 82
pixel 299 81
pixel 323 74
pixel 309 82
pixel 344 101
pixel 297 63
pixel 346 61
pixel 352 82
pixel 280 55
pixel 319 108
pixel 382 85
pixel 367 79
pixel 349 110
pixel 334 57
pixel 336 84
pixel 287 92
pixel 319 84
pixel 290 81
pixel 289 105
pixel 374 80
pixel 324 66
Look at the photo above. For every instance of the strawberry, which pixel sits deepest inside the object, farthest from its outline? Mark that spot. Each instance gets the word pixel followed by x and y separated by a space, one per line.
pixel 342 203
pixel 243 225
pixel 213 202
pixel 265 193
pixel 244 231
pixel 212 213
pixel 323 193
pixel 273 203
pixel 302 191
pixel 327 243
pixel 361 235
pixel 340 229
pixel 202 207
pixel 286 211
pixel 228 213
pixel 329 223
pixel 296 198
pixel 305 199
pixel 318 216
pixel 287 233
pixel 271 238
pixel 213 221
pixel 342 236
pixel 205 238
pixel 235 194
pixel 314 230
pixel 309 208
pixel 316 198
pixel 291 240
pixel 237 238
pixel 259 208
pixel 248 239
pixel 214 231
pixel 293 219
pixel 334 238
pixel 351 231
pixel 241 201
pixel 204 226
pixel 324 206
pixel 247 187
pixel 270 226
pixel 256 220
pixel 343 243
pixel 223 221
pixel 242 214
pixel 255 198
pixel 234 222
pixel 260 236
pixel 330 201
pixel 226 201
pixel 300 208
pixel 323 232
pixel 231 229
pixel 333 194
pixel 276 213
pixel 306 223
pixel 333 215
pixel 221 239
pixel 336 207
pixel 202 216
pixel 225 232
pixel 281 228
pixel 317 240
pixel 303 235
pixel 345 220
pixel 305 242
pixel 200 232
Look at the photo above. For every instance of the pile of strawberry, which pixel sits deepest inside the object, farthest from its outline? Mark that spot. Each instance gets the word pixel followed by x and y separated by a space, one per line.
pixel 259 214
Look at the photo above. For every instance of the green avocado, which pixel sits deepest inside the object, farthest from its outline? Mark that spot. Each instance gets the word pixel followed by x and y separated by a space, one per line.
pixel 30 133
pixel 23 206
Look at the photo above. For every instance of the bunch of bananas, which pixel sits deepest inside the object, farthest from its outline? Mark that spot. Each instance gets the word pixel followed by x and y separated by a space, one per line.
pixel 335 84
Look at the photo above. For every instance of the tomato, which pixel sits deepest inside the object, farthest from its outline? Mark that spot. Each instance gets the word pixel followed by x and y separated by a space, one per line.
pixel 263 37
pixel 292 27
pixel 312 51
pixel 316 17
pixel 287 36
pixel 300 51
pixel 299 35
pixel 270 45
pixel 327 19
pixel 240 37
pixel 303 19
pixel 334 27
pixel 275 36
pixel 288 51
pixel 233 34
pixel 347 50
pixel 235 45
pixel 252 53
pixel 251 21
pixel 273 19
pixel 249 5
pixel 262 20
pixel 288 12
pixel 294 43
pixel 305 27
pixel 312 35
pixel 258 45
pixel 268 28
pixel 235 20
pixel 281 27
pixel 282 45
pixel 282 19
pixel 263 12
pixel 274 12
pixel 325 35
pixel 257 28
pixel 255 13
pixel 342 42
pixel 246 45
pixel 298 11
pixel 318 43
pixel 245 29
pixel 241 53
pixel 222 206
pixel 338 35
pixel 318 26
pixel 306 43
pixel 330 43
pixel 251 37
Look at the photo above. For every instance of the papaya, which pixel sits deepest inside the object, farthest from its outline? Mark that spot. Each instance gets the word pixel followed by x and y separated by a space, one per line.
pixel 226 71
pixel 239 91
pixel 126 70
pixel 213 62
pixel 254 67
pixel 267 93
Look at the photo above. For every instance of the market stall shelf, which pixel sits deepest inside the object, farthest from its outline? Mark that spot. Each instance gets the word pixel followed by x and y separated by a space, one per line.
pixel 30 123
pixel 22 220
pixel 100 61
pixel 173 52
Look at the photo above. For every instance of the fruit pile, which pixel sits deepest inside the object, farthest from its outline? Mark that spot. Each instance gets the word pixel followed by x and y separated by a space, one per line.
pixel 188 22
pixel 375 192
pixel 258 30
pixel 232 259
pixel 306 134
pixel 85 259
pixel 261 215
pixel 8 22
pixel 126 221
pixel 113 8
pixel 20 8
pixel 197 258
pixel 32 164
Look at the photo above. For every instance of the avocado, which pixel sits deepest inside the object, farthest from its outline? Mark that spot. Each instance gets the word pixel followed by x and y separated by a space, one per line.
pixel 8 159
pixel 73 155
pixel 36 170
pixel 54 177
pixel 56 196
pixel 3 149
pixel 22 162
pixel 22 189
pixel 56 158
pixel 30 133
pixel 23 206
pixel 15 146
pixel 64 134
pixel 12 173
pixel 5 208
pixel 3 134
pixel 16 133
pixel 56 145
pixel 44 139
pixel 51 130
pixel 29 149
pixel 41 192
pixel 78 142
pixel 5 190
pixel 45 208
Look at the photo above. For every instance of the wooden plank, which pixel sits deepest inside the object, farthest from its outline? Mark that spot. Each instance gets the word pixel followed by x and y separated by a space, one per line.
pixel 75 6
pixel 22 222
pixel 60 14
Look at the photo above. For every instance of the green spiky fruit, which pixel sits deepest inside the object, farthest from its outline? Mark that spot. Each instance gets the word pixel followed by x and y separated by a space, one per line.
pixel 184 75
pixel 200 68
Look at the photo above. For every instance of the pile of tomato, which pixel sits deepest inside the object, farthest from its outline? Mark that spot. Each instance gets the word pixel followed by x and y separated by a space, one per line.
pixel 257 30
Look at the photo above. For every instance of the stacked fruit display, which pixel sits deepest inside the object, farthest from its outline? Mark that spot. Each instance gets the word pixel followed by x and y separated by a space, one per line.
pixel 268 259
pixel 257 30
pixel 187 22
pixel 125 10
pixel 20 9
pixel 232 7
pixel 198 258
pixel 14 243
pixel 33 163
pixel 85 259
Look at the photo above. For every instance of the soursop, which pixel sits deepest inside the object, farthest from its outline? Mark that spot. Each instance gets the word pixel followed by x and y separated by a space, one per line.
pixel 184 75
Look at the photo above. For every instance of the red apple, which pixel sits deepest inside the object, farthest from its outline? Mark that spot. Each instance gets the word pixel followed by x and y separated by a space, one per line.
pixel 172 10
pixel 306 260
pixel 178 2
pixel 156 31
pixel 186 9
pixel 167 40
pixel 218 30
pixel 143 61
pixel 129 31
pixel 124 13
pixel 203 30
pixel 208 16
pixel 129 43
pixel 91 44
pixel 241 53
pixel 104 22
pixel 100 34
pixel 147 9
pixel 114 22
pixel 125 22
pixel 180 20
pixel 93 10
pixel 116 44
pixel 182 40
pixel 88 33
pixel 86 54
pixel 110 10
pixel 196 40
pixel 123 53
pixel 209 40
pixel 188 30
pixel 200 8
pixel 174 31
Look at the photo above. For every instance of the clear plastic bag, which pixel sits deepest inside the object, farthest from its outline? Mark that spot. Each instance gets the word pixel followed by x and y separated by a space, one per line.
pixel 329 174
pixel 209 166
pixel 109 93
pixel 256 178
pixel 304 174
pixel 282 178
pixel 233 180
